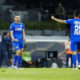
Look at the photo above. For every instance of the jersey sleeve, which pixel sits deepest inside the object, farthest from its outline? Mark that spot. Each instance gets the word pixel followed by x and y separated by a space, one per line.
pixel 11 28
pixel 69 21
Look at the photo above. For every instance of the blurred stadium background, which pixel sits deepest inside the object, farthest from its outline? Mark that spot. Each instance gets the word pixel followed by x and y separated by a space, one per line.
pixel 35 14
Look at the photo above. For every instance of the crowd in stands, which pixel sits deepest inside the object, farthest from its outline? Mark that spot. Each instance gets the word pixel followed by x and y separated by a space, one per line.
pixel 48 6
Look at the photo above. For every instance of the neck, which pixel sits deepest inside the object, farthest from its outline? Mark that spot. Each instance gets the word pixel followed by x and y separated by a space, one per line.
pixel 17 22
pixel 76 17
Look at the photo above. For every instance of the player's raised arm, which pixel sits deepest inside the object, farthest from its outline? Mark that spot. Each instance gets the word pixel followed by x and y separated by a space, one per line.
pixel 58 20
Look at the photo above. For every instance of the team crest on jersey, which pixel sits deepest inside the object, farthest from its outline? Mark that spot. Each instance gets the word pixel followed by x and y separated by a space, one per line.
pixel 18 29
pixel 20 25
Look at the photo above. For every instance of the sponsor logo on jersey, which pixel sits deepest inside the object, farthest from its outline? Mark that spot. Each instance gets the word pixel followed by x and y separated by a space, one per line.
pixel 18 29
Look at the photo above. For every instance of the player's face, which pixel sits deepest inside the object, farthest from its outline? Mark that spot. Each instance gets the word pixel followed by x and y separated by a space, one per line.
pixel 17 19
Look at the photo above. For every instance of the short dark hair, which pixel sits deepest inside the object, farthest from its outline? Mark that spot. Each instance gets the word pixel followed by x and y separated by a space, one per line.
pixel 17 15
pixel 76 13
pixel 4 33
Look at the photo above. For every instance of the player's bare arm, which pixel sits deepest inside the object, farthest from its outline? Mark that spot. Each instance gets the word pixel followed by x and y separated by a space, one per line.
pixel 58 20
pixel 11 33
pixel 24 35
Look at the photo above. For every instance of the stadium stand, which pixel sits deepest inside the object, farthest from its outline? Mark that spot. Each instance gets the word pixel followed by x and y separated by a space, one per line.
pixel 46 7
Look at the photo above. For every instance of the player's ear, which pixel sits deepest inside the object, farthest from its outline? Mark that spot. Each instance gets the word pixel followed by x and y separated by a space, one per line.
pixel 79 16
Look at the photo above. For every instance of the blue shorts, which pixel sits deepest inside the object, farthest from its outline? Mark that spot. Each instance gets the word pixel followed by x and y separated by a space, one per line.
pixel 75 45
pixel 18 45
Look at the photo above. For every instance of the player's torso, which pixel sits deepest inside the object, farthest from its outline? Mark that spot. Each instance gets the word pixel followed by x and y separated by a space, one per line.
pixel 75 29
pixel 18 31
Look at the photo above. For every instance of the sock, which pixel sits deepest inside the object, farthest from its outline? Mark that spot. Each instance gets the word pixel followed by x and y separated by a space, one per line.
pixel 15 60
pixel 74 60
pixel 78 58
pixel 19 61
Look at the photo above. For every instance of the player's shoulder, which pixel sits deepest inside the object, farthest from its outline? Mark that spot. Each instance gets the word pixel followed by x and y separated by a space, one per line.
pixel 70 19
pixel 76 19
pixel 21 23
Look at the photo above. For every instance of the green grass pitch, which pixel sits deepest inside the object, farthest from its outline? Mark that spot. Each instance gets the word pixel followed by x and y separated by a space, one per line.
pixel 40 74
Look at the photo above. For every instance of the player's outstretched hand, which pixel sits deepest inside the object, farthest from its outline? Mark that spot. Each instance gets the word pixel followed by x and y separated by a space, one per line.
pixel 52 17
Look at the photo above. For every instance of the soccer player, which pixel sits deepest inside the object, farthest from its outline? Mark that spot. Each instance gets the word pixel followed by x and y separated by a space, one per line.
pixel 75 35
pixel 17 32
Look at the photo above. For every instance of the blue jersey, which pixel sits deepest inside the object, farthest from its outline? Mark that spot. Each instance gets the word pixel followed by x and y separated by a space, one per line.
pixel 75 29
pixel 17 30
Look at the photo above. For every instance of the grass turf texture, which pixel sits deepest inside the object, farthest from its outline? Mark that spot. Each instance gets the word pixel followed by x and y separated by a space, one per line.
pixel 40 74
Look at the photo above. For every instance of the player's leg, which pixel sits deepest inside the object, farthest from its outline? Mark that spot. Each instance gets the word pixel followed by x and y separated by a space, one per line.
pixel 20 54
pixel 17 48
pixel 74 50
pixel 20 58
pixel 21 51
pixel 74 58
pixel 16 57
